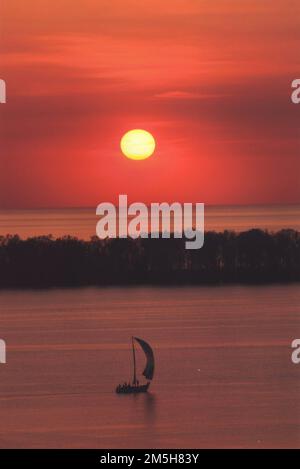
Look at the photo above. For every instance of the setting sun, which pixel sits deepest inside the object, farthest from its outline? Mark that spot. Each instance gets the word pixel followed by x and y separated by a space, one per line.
pixel 137 144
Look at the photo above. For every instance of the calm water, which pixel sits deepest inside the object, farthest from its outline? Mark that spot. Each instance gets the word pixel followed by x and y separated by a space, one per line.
pixel 82 222
pixel 224 376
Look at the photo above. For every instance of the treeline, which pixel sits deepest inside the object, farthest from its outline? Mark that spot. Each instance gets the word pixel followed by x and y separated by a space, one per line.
pixel 254 256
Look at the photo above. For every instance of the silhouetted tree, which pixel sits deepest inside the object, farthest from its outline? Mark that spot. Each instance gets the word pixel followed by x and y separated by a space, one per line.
pixel 251 256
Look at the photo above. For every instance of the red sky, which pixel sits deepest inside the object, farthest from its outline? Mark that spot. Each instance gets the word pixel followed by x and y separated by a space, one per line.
pixel 210 79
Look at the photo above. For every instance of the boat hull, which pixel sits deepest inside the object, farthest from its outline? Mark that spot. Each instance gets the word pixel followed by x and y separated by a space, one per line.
pixel 132 389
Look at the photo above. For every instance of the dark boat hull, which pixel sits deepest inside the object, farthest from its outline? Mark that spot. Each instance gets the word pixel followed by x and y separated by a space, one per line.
pixel 131 389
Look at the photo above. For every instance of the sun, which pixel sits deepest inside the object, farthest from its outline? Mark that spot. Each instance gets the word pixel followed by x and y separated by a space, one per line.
pixel 137 144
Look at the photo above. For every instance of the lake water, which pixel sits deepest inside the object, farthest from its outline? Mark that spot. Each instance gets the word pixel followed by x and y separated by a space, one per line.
pixel 224 376
pixel 81 222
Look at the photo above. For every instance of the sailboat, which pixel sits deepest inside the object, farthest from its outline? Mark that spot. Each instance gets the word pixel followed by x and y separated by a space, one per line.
pixel 135 386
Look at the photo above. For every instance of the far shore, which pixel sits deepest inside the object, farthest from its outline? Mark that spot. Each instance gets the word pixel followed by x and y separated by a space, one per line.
pixel 250 257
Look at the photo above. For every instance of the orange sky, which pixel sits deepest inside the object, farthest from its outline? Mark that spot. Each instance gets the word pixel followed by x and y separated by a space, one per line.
pixel 210 79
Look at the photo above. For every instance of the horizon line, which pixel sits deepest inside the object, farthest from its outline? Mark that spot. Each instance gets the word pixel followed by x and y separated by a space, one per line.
pixel 89 207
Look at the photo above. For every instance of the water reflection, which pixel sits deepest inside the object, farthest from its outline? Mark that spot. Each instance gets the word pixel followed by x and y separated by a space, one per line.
pixel 149 404
pixel 144 405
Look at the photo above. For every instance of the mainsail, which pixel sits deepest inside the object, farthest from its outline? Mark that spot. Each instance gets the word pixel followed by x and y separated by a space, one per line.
pixel 149 370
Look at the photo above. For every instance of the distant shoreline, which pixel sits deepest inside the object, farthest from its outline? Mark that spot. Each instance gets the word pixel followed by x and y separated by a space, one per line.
pixel 253 257
pixel 82 222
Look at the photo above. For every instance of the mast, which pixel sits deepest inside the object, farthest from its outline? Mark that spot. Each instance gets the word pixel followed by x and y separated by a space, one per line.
pixel 134 365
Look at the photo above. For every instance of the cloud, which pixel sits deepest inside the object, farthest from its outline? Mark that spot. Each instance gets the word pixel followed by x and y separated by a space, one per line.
pixel 177 94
